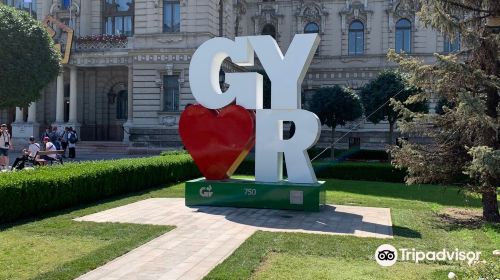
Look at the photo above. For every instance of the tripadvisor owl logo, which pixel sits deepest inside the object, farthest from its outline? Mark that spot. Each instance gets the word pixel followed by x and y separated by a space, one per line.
pixel 386 255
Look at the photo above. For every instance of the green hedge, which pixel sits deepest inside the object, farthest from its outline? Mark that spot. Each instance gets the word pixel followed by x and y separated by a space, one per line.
pixel 353 154
pixel 31 193
pixel 360 171
pixel 364 171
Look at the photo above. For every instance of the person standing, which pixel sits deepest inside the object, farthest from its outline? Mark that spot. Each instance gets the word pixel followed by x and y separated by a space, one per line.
pixel 54 138
pixel 72 139
pixel 46 133
pixel 5 146
pixel 64 141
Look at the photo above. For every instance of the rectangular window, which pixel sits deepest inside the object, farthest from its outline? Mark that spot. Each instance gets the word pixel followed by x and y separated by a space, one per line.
pixel 403 41
pixel 171 16
pixel 354 142
pixel 356 42
pixel 171 93
pixel 451 46
pixel 118 17
pixel 127 25
pixel 26 5
pixel 118 25
pixel 109 25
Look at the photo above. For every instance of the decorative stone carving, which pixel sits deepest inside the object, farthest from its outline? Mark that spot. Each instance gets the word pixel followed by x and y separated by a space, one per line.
pixel 311 11
pixel 399 9
pixel 356 10
pixel 267 14
pixel 168 120
pixel 240 9
pixel 169 38
pixel 59 12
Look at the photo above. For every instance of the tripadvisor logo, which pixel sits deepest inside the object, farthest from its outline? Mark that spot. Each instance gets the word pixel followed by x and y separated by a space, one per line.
pixel 387 255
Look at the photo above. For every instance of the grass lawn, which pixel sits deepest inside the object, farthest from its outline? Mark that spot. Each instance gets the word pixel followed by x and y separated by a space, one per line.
pixel 55 247
pixel 416 225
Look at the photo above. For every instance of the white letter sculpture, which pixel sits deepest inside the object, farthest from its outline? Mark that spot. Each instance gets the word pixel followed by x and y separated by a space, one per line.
pixel 286 74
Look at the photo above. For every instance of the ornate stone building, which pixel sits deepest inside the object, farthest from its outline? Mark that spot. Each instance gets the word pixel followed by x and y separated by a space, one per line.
pixel 132 85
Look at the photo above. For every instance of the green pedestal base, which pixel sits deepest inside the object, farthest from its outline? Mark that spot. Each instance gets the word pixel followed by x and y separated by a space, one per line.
pixel 250 194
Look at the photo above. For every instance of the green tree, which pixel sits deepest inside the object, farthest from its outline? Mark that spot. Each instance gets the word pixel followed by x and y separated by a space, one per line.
pixel 377 94
pixel 335 106
pixel 465 133
pixel 28 58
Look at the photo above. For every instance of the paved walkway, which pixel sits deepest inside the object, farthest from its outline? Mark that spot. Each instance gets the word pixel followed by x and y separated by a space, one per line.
pixel 205 236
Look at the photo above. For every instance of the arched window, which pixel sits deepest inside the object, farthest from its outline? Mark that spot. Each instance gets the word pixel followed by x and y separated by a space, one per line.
pixel 356 38
pixel 122 105
pixel 451 46
pixel 65 4
pixel 269 29
pixel 311 27
pixel 403 36
pixel 119 17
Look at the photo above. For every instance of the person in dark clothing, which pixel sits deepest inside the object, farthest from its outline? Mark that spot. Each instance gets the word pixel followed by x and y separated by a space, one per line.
pixel 72 139
pixel 64 140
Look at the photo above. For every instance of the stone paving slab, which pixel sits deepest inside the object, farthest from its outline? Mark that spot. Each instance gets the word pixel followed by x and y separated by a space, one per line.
pixel 205 236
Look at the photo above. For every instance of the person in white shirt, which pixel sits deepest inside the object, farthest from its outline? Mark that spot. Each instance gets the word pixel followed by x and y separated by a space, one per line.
pixel 33 148
pixel 49 146
pixel 5 146
pixel 26 155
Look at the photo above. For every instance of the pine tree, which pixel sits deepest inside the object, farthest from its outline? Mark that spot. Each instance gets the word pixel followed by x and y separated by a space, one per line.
pixel 465 133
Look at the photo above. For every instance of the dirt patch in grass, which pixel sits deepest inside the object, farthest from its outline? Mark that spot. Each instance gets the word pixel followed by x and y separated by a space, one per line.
pixel 461 217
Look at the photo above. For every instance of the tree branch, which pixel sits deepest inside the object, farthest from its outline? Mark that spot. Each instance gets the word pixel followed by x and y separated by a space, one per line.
pixel 463 6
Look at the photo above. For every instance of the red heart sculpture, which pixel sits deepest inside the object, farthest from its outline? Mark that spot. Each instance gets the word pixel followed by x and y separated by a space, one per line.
pixel 218 140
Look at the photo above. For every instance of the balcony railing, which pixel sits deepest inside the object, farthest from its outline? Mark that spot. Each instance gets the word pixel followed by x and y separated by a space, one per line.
pixel 101 42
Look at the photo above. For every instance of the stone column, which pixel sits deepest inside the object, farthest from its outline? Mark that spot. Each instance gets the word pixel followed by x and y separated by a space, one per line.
pixel 21 131
pixel 32 126
pixel 32 112
pixel 19 115
pixel 130 90
pixel 73 97
pixel 60 99
pixel 130 105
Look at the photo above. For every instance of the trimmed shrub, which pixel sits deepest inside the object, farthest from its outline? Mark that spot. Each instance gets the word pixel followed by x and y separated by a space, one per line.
pixel 363 171
pixel 31 193
pixel 174 152
pixel 360 171
pixel 353 154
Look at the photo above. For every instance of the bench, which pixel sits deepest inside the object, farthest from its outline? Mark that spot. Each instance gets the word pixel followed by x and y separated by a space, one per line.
pixel 58 158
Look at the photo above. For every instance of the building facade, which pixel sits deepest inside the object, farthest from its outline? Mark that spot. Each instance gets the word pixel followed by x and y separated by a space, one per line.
pixel 127 78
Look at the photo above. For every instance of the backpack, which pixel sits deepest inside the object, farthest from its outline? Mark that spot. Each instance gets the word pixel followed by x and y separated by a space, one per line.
pixel 72 138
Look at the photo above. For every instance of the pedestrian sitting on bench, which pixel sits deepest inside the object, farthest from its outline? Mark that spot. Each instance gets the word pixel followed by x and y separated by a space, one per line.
pixel 26 155
pixel 49 146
